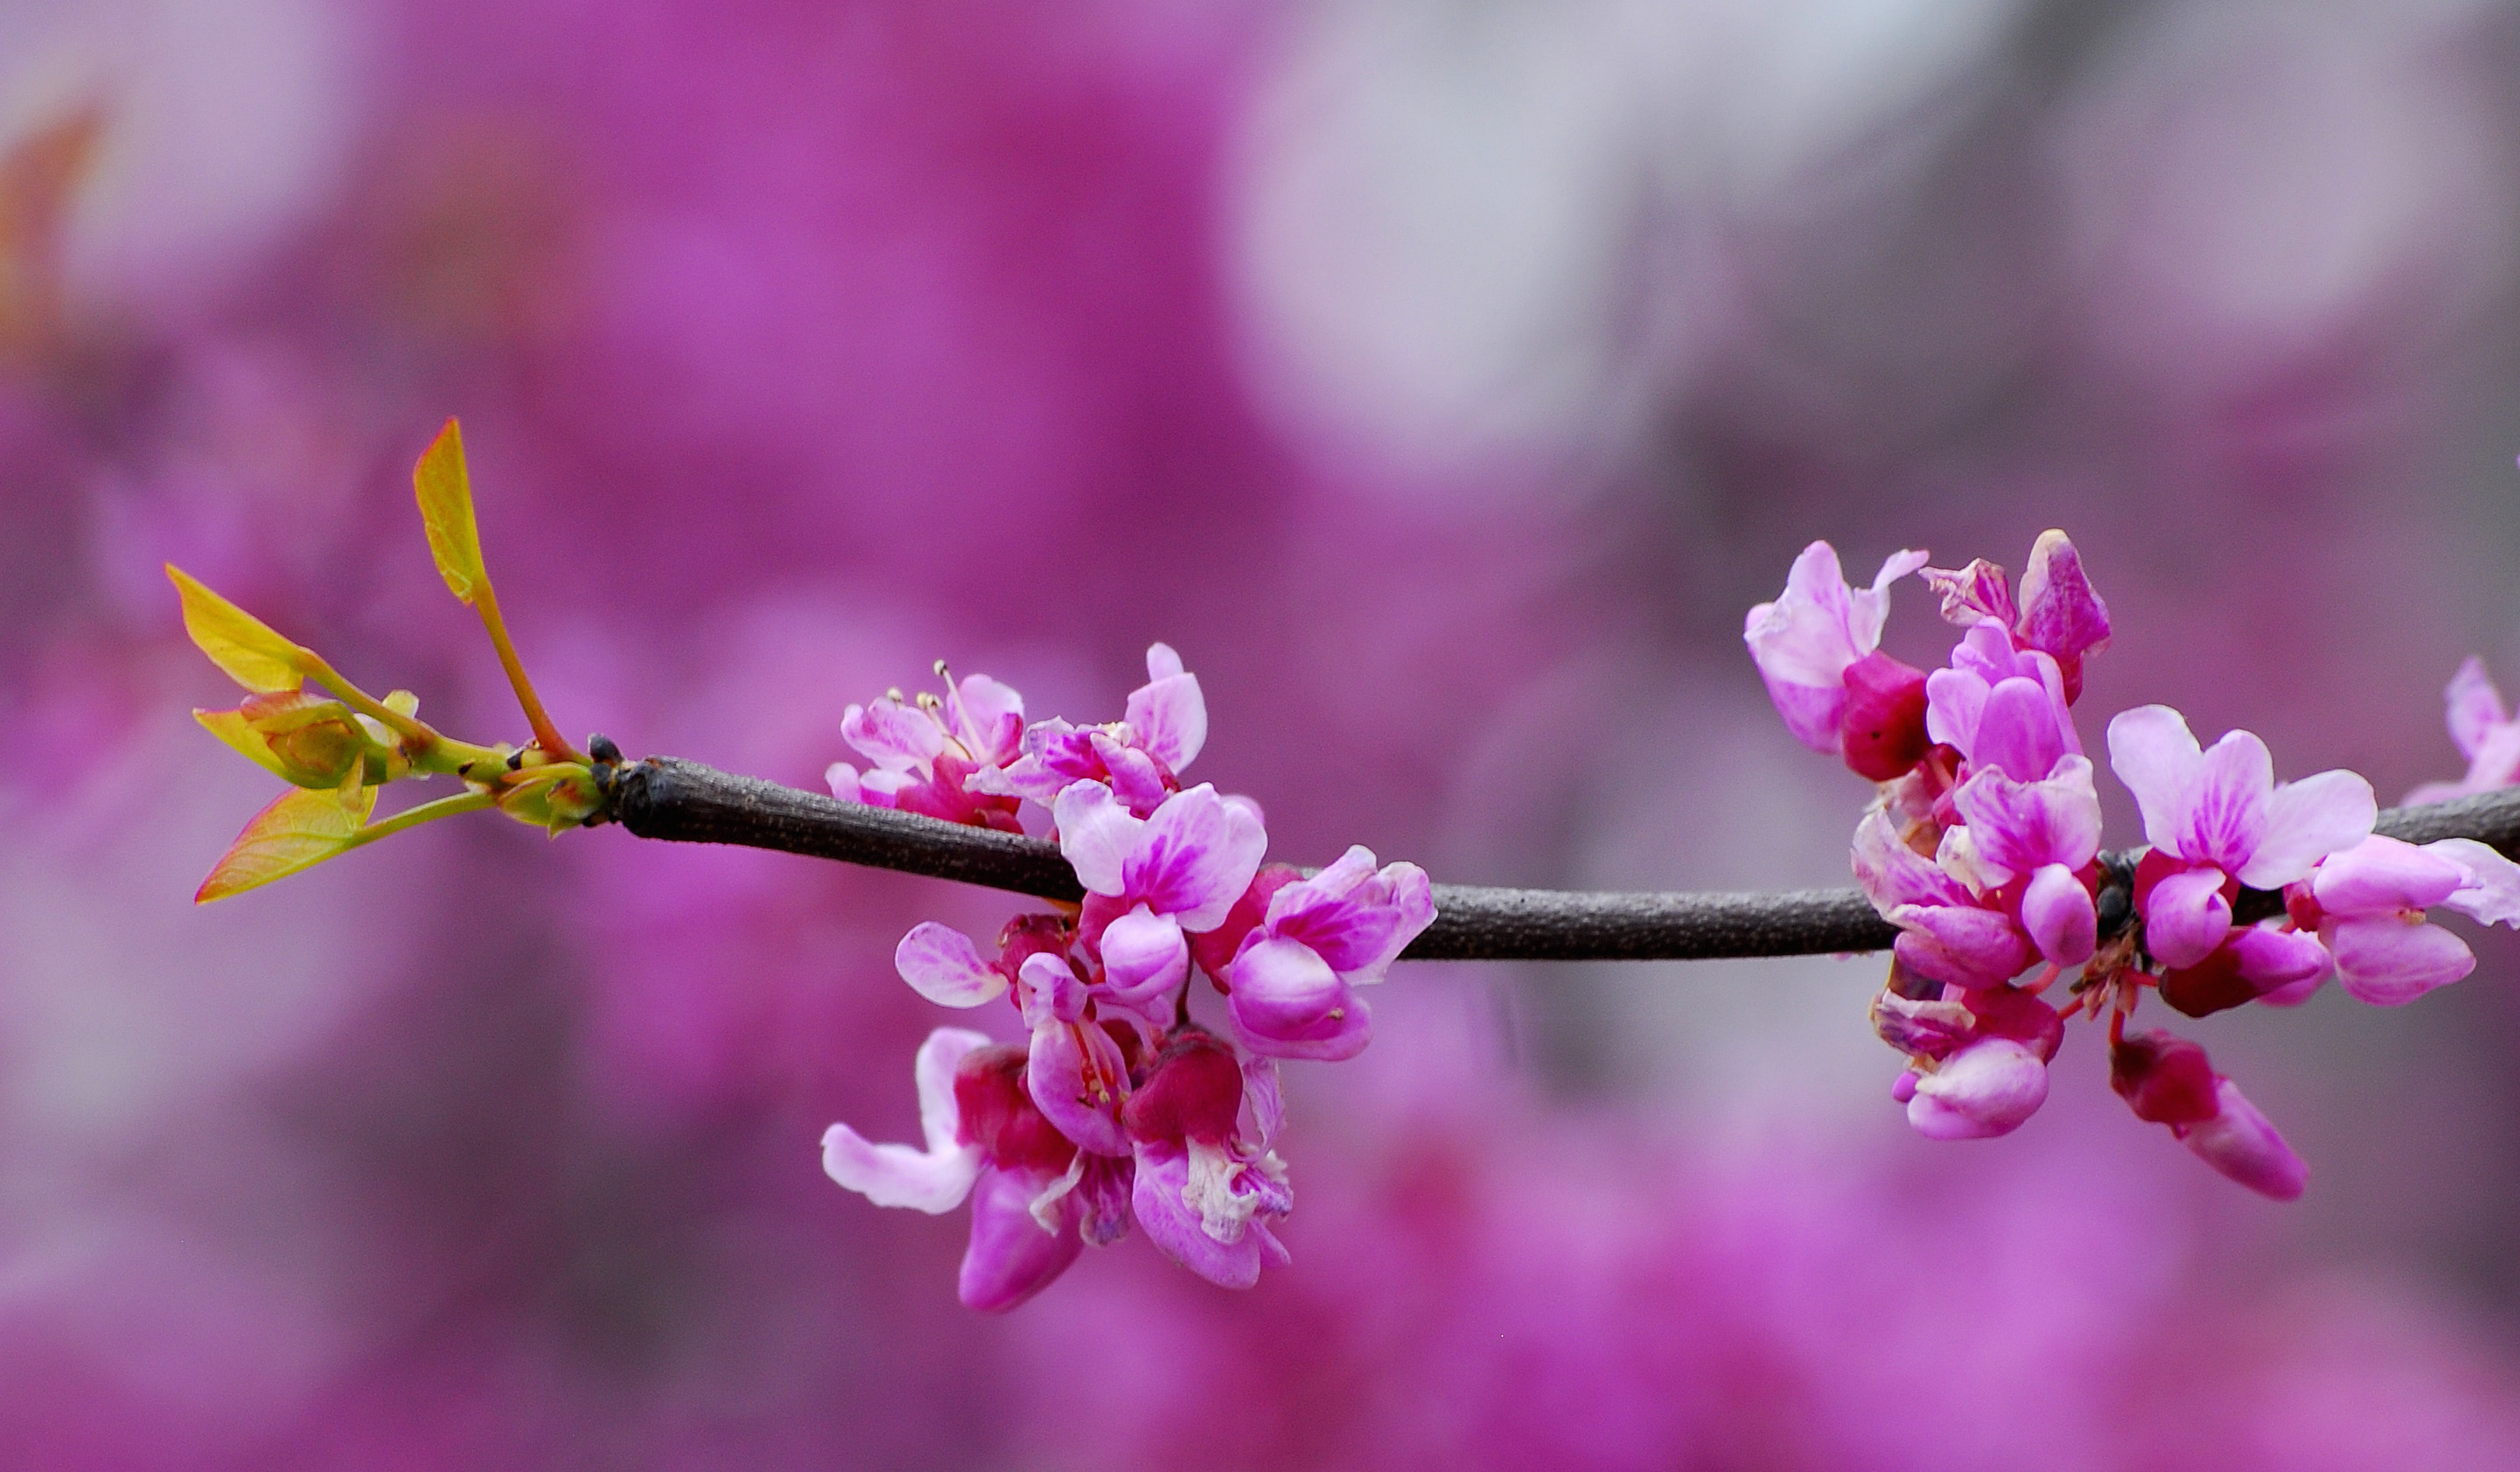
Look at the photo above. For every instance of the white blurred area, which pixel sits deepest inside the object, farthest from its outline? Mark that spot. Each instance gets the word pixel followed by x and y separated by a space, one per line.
pixel 1466 235
pixel 222 124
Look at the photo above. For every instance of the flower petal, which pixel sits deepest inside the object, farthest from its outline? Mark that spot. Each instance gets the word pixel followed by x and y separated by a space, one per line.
pixel 1097 835
pixel 2019 731
pixel 1144 955
pixel 2390 960
pixel 2307 820
pixel 2228 812
pixel 1010 1258
pixel 1168 715
pixel 1985 1090
pixel 2058 912
pixel 1158 1195
pixel 1893 874
pixel 1287 1002
pixel 2491 895
pixel 2059 612
pixel 2028 825
pixel 1961 945
pixel 2186 916
pixel 934 1179
pixel 2153 752
pixel 988 719
pixel 2382 875
pixel 2277 960
pixel 2239 1143
pixel 1079 1080
pixel 941 964
pixel 2475 707
pixel 896 737
pixel 1196 856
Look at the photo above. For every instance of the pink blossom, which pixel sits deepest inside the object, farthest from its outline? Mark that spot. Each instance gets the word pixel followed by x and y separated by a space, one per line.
pixel 1948 932
pixel 1979 1059
pixel 2021 689
pixel 2045 832
pixel 2485 733
pixel 987 1143
pixel 925 753
pixel 1140 757
pixel 1294 977
pixel 2217 817
pixel 1149 880
pixel 1807 642
pixel 2169 1080
pixel 2367 905
pixel 1207 1185
pixel 2058 614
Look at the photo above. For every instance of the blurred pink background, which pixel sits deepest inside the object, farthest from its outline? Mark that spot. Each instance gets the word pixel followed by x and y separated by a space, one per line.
pixel 1444 380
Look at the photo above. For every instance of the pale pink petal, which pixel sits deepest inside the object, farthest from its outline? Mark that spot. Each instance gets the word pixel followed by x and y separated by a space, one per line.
pixel 1196 857
pixel 1163 663
pixel 1144 955
pixel 2239 1143
pixel 1985 1090
pixel 2153 752
pixel 1264 1107
pixel 2491 894
pixel 1974 595
pixel 2475 707
pixel 1133 775
pixel 1814 715
pixel 842 779
pixel 2059 612
pixel 1010 1257
pixel 2019 731
pixel 892 734
pixel 933 1179
pixel 2498 761
pixel 1097 835
pixel 882 789
pixel 2382 875
pixel 1955 702
pixel 2058 912
pixel 2282 962
pixel 1079 1080
pixel 1171 1223
pixel 1287 1002
pixel 932 1070
pixel 1168 715
pixel 2229 809
pixel 2305 820
pixel 988 719
pixel 2024 826
pixel 1961 945
pixel 1339 914
pixel 1808 637
pixel 1893 874
pixel 1053 993
pixel 2426 793
pixel 2186 916
pixel 2390 960
pixel 1868 608
pixel 941 964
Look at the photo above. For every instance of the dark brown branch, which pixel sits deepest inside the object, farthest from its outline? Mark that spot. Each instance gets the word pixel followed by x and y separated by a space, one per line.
pixel 666 797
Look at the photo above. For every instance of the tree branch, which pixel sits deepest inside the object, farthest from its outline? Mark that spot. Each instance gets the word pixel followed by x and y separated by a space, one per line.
pixel 667 798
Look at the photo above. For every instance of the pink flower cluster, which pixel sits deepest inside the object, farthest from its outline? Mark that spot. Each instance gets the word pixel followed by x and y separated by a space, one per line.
pixel 1118 1109
pixel 1983 846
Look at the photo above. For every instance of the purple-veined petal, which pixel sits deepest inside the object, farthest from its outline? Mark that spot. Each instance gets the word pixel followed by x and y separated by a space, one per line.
pixel 1196 857
pixel 1144 955
pixel 1264 1106
pixel 2475 707
pixel 2307 820
pixel 1955 701
pixel 1973 595
pixel 2229 809
pixel 2277 960
pixel 1338 914
pixel 988 719
pixel 2017 730
pixel 941 964
pixel 896 737
pixel 1168 714
pixel 2153 752
pixel 933 1179
pixel 2382 875
pixel 1287 1002
pixel 2491 895
pixel 1985 1090
pixel 1893 874
pixel 2058 912
pixel 1804 637
pixel 2027 824
pixel 1158 1194
pixel 1097 835
pixel 1132 774
pixel 1010 1258
pixel 2186 916
pixel 2059 612
pixel 2239 1143
pixel 1079 1080
pixel 1052 991
pixel 2390 960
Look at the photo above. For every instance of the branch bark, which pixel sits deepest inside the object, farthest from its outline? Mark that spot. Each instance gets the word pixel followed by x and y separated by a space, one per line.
pixel 668 798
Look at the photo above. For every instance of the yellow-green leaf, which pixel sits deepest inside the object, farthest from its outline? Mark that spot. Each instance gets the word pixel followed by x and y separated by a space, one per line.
pixel 446 512
pixel 232 727
pixel 235 641
pixel 299 828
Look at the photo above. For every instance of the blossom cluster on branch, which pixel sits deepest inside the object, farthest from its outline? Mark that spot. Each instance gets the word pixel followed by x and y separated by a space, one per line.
pixel 1120 1108
pixel 1982 845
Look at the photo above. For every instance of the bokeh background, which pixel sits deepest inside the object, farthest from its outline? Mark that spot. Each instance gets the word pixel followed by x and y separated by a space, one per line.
pixel 1444 380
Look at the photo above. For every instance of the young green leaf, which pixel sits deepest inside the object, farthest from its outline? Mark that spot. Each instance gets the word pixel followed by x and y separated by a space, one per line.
pixel 300 829
pixel 235 641
pixel 445 494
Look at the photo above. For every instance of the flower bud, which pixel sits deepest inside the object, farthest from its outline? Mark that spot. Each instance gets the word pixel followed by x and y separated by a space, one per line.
pixel 1883 733
pixel 2239 1143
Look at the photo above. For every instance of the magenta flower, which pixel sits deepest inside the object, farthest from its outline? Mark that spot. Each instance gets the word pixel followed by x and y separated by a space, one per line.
pixel 1077 1074
pixel 1294 977
pixel 2169 1080
pixel 2219 817
pixel 2367 905
pixel 1207 1185
pixel 1149 880
pixel 2002 707
pixel 1947 932
pixel 987 1143
pixel 2058 614
pixel 2484 731
pixel 925 754
pixel 1818 648
pixel 2045 832
pixel 1979 1061
pixel 1140 757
